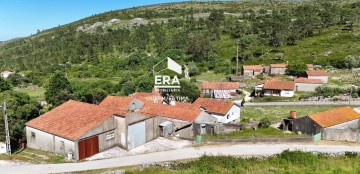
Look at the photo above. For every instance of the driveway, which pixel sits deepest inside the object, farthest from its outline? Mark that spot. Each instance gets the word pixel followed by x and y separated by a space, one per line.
pixel 180 154
pixel 302 103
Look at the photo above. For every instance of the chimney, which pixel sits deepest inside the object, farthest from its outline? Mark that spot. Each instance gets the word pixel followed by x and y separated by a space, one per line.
pixel 292 115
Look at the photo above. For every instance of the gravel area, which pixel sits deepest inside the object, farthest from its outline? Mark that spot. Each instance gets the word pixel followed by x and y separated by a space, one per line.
pixel 6 163
pixel 159 144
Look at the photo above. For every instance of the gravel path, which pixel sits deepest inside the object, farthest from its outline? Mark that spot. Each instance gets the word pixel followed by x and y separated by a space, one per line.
pixel 179 154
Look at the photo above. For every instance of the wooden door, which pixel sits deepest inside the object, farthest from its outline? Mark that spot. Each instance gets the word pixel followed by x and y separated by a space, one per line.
pixel 88 147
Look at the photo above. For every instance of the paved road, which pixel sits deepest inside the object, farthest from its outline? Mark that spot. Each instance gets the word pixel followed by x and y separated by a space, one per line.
pixel 303 103
pixel 180 154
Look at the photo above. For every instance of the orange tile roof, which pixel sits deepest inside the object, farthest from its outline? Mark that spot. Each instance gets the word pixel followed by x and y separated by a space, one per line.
pixel 260 82
pixel 252 67
pixel 278 84
pixel 72 119
pixel 310 65
pixel 117 102
pixel 220 85
pixel 317 73
pixel 214 106
pixel 335 116
pixel 306 80
pixel 174 112
pixel 278 65
pixel 148 97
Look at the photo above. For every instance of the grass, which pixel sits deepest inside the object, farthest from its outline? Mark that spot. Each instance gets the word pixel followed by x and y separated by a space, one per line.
pixel 277 113
pixel 211 76
pixel 34 156
pixel 259 133
pixel 33 91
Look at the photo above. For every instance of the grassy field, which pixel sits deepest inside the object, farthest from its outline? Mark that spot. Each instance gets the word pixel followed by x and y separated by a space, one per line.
pixel 277 113
pixel 211 76
pixel 259 133
pixel 34 156
pixel 286 162
pixel 33 91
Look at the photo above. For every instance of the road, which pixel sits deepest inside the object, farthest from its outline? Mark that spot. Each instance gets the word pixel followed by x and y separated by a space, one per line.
pixel 302 103
pixel 180 154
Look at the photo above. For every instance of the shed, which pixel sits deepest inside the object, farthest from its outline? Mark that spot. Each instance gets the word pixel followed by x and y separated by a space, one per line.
pixel 166 128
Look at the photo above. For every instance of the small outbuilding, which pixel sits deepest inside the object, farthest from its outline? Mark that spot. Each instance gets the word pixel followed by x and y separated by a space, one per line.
pixel 318 74
pixel 278 69
pixel 305 84
pixel 252 70
pixel 275 87
pixel 220 90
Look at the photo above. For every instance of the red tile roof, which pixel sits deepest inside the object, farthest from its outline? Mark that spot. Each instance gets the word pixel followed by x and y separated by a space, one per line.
pixel 117 102
pixel 306 80
pixel 252 67
pixel 220 85
pixel 310 65
pixel 174 112
pixel 72 119
pixel 279 85
pixel 214 106
pixel 260 82
pixel 278 65
pixel 317 73
pixel 335 116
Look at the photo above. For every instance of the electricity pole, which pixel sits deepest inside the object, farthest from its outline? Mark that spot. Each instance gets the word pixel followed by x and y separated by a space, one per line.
pixel 7 134
pixel 237 57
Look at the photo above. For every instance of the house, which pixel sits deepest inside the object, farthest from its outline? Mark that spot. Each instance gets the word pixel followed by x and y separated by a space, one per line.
pixel 6 74
pixel 223 111
pixel 259 85
pixel 252 70
pixel 318 74
pixel 220 90
pixel 310 67
pixel 339 124
pixel 275 87
pixel 305 84
pixel 278 68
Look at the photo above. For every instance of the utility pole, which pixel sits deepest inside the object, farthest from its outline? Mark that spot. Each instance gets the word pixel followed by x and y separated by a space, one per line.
pixel 237 57
pixel 350 97
pixel 7 134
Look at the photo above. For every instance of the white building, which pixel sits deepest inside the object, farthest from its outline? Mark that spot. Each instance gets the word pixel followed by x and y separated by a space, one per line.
pixel 275 87
pixel 304 84
pixel 318 74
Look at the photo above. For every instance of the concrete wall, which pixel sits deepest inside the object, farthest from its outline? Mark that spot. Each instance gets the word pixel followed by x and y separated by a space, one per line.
pixel 248 72
pixel 286 93
pixel 350 135
pixel 232 115
pixel 306 86
pixel 269 92
pixel 120 131
pixel 205 118
pixel 354 124
pixel 277 70
pixel 323 78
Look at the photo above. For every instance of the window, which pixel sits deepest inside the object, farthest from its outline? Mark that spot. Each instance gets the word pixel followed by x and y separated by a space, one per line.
pixel 33 135
pixel 227 116
pixel 62 145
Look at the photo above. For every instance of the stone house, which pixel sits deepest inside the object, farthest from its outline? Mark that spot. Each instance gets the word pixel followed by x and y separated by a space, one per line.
pixel 304 84
pixel 318 74
pixel 278 69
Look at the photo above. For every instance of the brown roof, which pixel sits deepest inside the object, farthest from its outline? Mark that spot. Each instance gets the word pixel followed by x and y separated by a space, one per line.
pixel 117 102
pixel 306 80
pixel 278 65
pixel 220 85
pixel 335 116
pixel 310 65
pixel 72 119
pixel 280 85
pixel 260 82
pixel 214 106
pixel 179 112
pixel 252 67
pixel 317 73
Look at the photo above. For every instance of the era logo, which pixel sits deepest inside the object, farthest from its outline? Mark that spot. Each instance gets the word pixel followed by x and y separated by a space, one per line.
pixel 166 80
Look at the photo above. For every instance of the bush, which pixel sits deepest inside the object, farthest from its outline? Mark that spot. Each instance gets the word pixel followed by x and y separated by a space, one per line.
pixel 264 123
pixel 299 157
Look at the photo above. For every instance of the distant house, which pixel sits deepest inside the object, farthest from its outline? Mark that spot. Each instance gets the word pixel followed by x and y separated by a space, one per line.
pixel 305 84
pixel 259 85
pixel 310 67
pixel 220 90
pixel 318 74
pixel 252 70
pixel 337 124
pixel 275 87
pixel 278 68
pixel 223 111
pixel 6 74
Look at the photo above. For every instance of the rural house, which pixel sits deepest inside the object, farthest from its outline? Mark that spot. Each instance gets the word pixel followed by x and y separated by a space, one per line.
pixel 220 90
pixel 275 87
pixel 340 124
pixel 305 84
pixel 252 70
pixel 223 111
pixel 278 68
pixel 318 74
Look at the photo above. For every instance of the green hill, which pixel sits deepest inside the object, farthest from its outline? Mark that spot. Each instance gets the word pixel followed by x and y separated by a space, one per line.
pixel 204 34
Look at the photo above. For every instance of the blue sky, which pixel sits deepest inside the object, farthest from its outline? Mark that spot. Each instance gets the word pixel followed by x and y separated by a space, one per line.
pixel 19 18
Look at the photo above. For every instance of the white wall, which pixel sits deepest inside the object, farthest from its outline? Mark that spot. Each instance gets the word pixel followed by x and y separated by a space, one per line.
pixel 2 147
pixel 306 86
pixel 323 78
pixel 233 113
pixel 286 93
pixel 354 124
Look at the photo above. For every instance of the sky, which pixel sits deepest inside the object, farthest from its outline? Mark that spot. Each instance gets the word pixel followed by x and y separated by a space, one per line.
pixel 20 18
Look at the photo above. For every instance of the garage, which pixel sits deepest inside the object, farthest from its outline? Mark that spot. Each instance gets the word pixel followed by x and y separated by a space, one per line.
pixel 136 135
pixel 88 147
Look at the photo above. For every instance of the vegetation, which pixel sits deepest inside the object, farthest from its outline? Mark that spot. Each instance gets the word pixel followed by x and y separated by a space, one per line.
pixel 34 156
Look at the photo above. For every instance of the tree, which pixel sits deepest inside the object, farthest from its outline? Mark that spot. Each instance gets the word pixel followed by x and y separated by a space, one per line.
pixel 59 90
pixel 98 95
pixel 296 68
pixel 4 85
pixel 351 62
pixel 128 88
pixel 188 89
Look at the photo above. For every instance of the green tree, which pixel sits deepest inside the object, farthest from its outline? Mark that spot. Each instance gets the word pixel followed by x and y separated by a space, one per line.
pixel 296 68
pixel 59 90
pixel 188 89
pixel 98 95
pixel 351 62
pixel 4 85
pixel 128 88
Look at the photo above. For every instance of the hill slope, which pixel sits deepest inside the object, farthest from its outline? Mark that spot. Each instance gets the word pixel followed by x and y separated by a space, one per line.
pixel 128 42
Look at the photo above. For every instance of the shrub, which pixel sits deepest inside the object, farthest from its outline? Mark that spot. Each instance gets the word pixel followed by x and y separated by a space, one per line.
pixel 299 157
pixel 264 123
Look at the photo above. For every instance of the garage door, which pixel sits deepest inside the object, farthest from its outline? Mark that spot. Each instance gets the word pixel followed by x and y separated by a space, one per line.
pixel 88 147
pixel 136 135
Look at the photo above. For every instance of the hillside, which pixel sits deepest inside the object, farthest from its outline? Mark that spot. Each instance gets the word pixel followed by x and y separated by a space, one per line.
pixel 126 43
